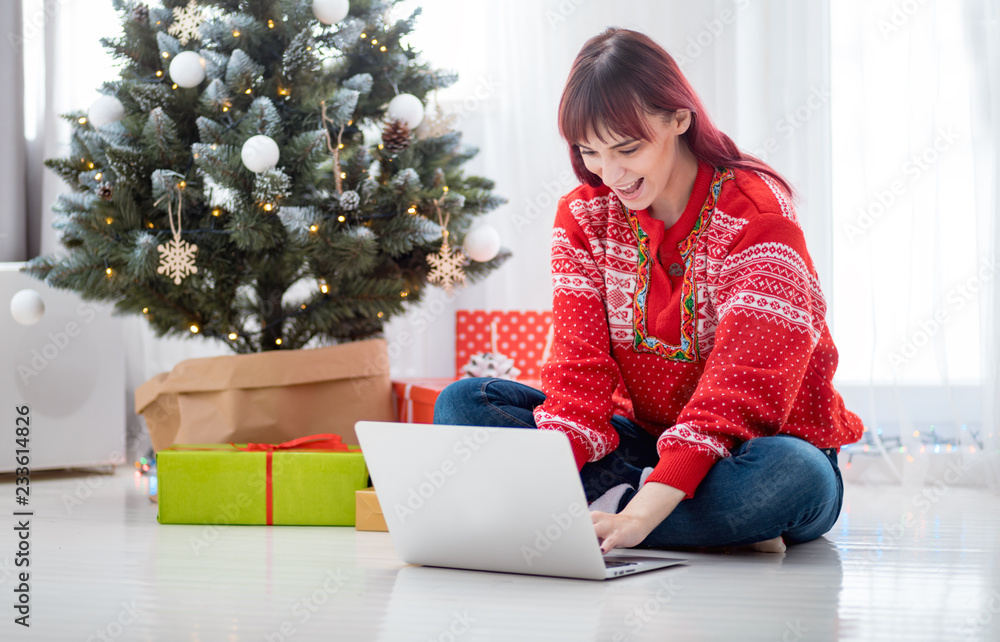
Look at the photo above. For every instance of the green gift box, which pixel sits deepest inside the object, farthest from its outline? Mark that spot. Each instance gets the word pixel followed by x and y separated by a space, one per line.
pixel 268 484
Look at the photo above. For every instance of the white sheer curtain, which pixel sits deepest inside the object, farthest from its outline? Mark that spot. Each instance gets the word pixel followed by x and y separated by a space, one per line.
pixel 64 65
pixel 13 181
pixel 914 236
pixel 987 120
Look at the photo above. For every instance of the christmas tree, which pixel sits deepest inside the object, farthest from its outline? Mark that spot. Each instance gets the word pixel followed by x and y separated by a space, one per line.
pixel 263 174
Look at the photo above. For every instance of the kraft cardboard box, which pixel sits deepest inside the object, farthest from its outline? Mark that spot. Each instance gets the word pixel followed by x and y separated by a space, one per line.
pixel 368 513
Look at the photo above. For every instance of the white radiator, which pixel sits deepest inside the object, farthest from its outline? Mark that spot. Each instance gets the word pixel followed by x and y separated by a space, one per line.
pixel 69 370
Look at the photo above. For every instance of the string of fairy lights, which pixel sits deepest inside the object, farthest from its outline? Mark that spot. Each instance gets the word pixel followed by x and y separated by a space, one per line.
pixel 215 213
pixel 874 443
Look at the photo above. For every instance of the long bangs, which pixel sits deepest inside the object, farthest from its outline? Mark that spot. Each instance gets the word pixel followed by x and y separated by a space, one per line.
pixel 597 107
pixel 599 100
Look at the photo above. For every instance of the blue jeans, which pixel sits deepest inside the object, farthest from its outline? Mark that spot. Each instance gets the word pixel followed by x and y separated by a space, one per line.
pixel 770 486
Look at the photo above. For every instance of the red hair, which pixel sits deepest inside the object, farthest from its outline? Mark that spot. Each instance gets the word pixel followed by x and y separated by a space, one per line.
pixel 621 75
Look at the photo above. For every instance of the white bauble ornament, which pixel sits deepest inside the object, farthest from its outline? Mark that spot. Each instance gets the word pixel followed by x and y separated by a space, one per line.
pixel 407 108
pixel 330 11
pixel 27 307
pixel 260 153
pixel 482 244
pixel 187 69
pixel 104 110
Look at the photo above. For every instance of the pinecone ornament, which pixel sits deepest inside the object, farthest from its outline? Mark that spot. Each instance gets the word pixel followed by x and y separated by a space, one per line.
pixel 106 191
pixel 395 136
pixel 349 200
pixel 141 14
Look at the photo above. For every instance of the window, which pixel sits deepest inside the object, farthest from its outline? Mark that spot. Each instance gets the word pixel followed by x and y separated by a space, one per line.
pixel 910 166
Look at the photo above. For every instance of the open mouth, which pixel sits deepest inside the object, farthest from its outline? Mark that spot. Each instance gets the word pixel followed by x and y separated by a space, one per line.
pixel 630 191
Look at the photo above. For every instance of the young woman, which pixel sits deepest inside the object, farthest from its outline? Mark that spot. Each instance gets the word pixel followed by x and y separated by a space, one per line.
pixel 691 363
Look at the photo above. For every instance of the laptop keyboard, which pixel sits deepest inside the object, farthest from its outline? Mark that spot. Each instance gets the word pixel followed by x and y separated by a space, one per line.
pixel 610 564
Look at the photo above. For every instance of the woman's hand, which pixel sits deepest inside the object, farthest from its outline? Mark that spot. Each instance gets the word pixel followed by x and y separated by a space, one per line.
pixel 650 506
pixel 621 530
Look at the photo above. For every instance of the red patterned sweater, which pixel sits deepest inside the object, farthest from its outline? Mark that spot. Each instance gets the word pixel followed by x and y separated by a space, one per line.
pixel 706 334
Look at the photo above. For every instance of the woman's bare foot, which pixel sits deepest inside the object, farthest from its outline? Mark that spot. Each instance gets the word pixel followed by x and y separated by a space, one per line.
pixel 776 545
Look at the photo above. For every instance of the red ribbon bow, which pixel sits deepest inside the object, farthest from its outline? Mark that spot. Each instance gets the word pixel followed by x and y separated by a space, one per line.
pixel 312 442
pixel 325 441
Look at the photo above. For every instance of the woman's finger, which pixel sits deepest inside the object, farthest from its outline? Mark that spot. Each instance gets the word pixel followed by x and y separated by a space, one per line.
pixel 600 528
pixel 600 522
pixel 608 528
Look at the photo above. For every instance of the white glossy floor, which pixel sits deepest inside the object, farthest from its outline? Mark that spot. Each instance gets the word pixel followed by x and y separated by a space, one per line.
pixel 103 569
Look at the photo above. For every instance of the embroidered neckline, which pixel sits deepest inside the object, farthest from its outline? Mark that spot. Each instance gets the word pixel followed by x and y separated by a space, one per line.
pixel 689 349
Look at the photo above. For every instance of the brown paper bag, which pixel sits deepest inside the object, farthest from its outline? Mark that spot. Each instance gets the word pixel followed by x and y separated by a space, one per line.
pixel 269 397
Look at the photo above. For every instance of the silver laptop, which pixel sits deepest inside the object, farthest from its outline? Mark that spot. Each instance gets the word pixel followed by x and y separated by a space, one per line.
pixel 488 499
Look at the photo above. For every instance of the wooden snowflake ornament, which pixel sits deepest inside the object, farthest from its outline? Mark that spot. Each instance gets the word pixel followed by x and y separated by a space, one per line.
pixel 176 255
pixel 437 124
pixel 186 22
pixel 446 266
pixel 177 259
